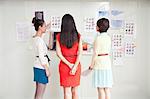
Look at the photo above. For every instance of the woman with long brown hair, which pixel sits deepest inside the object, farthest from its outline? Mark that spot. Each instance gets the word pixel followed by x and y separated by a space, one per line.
pixel 69 49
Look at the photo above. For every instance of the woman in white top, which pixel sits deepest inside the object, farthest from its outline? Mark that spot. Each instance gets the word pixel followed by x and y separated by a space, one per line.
pixel 41 65
pixel 101 62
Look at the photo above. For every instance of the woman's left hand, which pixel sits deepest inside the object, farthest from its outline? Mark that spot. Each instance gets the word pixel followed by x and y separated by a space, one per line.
pixel 73 70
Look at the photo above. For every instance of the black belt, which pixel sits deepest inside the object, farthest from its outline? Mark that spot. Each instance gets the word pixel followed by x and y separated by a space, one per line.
pixel 46 57
pixel 102 54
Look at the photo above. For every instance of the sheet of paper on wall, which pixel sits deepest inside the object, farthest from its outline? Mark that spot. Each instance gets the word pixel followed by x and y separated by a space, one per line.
pixel 88 40
pixel 87 44
pixel 118 57
pixel 117 41
pixel 89 24
pixel 116 12
pixel 102 14
pixel 104 10
pixel 117 24
pixel 23 31
pixel 104 6
pixel 55 23
pixel 130 48
pixel 130 29
pixel 39 15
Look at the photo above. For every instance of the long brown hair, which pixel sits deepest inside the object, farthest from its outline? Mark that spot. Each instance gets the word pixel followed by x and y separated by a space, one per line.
pixel 69 34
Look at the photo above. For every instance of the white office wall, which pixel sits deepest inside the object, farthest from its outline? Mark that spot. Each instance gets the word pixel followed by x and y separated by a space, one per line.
pixel 131 77
pixel 148 21
pixel 143 18
pixel 131 80
pixel 1 66
pixel 16 78
pixel 149 58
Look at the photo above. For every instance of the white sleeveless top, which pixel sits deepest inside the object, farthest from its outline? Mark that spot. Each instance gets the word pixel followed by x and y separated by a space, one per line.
pixel 103 43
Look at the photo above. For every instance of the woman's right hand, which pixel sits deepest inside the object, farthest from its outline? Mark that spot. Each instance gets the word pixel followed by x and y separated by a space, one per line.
pixel 71 65
pixel 91 67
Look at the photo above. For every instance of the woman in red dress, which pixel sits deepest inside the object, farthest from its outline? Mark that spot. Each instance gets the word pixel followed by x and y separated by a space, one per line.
pixel 69 49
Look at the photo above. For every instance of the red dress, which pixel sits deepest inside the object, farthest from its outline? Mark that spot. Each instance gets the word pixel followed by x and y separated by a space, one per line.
pixel 66 79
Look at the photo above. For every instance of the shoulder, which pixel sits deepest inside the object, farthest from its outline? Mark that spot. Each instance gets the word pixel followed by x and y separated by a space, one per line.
pixel 97 38
pixel 105 35
pixel 105 38
pixel 79 35
pixel 58 36
pixel 38 41
pixel 108 36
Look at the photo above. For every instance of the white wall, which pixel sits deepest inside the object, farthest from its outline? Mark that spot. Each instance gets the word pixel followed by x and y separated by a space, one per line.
pixel 131 78
pixel 143 18
pixel 148 21
pixel 16 74
pixel 1 65
pixel 149 56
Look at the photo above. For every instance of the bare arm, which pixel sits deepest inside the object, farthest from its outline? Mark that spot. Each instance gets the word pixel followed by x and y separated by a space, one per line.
pixel 59 54
pixel 75 67
pixel 94 55
pixel 79 54
pixel 48 26
pixel 49 41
